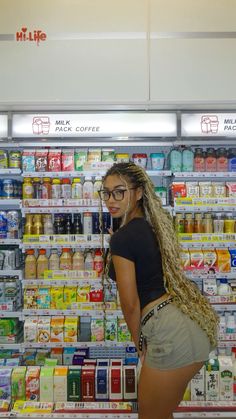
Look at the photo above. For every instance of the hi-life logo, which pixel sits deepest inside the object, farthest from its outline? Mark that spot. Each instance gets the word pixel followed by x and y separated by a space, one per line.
pixel 31 36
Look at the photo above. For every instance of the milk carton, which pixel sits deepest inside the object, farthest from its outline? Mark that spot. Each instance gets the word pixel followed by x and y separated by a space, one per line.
pixel 198 385
pixel 130 382
pixel 233 259
pixel 212 378
pixel 46 384
pixel 226 377
pixel 74 384
pixel 101 383
pixel 5 384
pixel 115 383
pixel 32 383
pixel 18 383
pixel 60 384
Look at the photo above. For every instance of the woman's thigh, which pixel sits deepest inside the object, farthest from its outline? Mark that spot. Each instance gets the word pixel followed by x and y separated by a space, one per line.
pixel 161 391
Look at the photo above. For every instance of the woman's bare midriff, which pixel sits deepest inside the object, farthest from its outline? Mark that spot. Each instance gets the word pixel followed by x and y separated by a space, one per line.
pixel 154 302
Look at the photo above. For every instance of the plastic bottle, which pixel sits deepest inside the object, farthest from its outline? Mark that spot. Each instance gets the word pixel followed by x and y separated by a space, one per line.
pixel 224 288
pixel 68 226
pixel 232 160
pixel 28 189
pixel 98 262
pixel 96 187
pixel 38 225
pixel 199 160
pixel 46 188
pixel 88 223
pixel 56 189
pixel 78 228
pixel 65 188
pixel 88 188
pixel 30 265
pixel 187 160
pixel 76 189
pixel 230 324
pixel 88 263
pixel 66 259
pixel 78 261
pixel 211 160
pixel 175 160
pixel 221 160
pixel 54 261
pixel 37 188
pixel 28 229
pixel 42 263
pixel 47 224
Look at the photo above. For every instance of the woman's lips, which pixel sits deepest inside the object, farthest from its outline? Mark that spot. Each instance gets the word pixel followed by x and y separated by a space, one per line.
pixel 113 210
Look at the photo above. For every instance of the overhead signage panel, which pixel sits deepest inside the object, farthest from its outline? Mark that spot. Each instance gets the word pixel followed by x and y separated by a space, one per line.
pixel 129 124
pixel 3 126
pixel 208 124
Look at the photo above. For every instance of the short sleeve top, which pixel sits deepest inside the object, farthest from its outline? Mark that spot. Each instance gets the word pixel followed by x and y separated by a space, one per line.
pixel 137 242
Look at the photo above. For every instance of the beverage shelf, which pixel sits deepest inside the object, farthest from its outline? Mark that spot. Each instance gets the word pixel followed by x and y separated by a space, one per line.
pixel 104 344
pixel 11 272
pixel 56 282
pixel 83 173
pixel 10 172
pixel 204 175
pixel 10 203
pixel 72 312
pixel 10 241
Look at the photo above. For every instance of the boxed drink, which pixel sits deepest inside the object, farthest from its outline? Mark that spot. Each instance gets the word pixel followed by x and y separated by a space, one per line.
pixel 108 154
pixel 192 189
pixel 196 259
pixel 44 330
pixel 57 354
pixel 71 329
pixel 57 298
pixel 46 384
pixel 30 297
pixel 223 260
pixel 101 383
pixel 226 378
pixel 115 383
pixel 178 190
pixel 31 329
pixel 212 378
pixel 97 330
pixel 206 189
pixel 185 259
pixel 111 328
pixel 41 160
pixel 5 383
pixel 209 286
pixel 231 189
pixel 123 333
pixel 80 158
pixel 44 298
pixel 18 383
pixel 94 155
pixel 233 259
pixel 209 259
pixel 69 297
pixel 67 160
pixel 74 384
pixel 57 329
pixel 28 161
pixel 54 161
pixel 32 383
pixel 130 383
pixel 198 385
pixel 88 384
pixel 60 384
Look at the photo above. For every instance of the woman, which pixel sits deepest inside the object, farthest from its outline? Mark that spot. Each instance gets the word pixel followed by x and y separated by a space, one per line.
pixel 177 323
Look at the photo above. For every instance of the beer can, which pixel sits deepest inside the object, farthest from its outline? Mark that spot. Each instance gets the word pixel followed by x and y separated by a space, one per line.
pixel 3 225
pixel 15 159
pixel 13 224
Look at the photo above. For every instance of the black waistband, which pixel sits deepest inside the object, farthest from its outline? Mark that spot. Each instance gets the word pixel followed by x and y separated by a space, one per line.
pixel 156 308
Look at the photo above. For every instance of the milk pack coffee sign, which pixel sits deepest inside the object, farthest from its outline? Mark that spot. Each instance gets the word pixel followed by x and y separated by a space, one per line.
pixel 120 124
pixel 208 125
pixel 3 126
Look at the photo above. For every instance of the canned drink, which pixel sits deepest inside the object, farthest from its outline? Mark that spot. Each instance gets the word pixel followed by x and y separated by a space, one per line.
pixel 7 188
pixel 2 290
pixel 3 224
pixel 10 290
pixel 88 223
pixel 13 224
pixel 9 259
pixel 3 159
pixel 15 159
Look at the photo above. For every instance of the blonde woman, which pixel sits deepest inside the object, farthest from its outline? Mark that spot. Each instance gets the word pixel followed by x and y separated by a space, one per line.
pixel 173 326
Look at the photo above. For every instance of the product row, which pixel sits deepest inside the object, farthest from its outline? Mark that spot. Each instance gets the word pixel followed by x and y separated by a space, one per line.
pixel 61 297
pixel 61 383
pixel 219 287
pixel 85 223
pixel 211 261
pixel 205 223
pixel 203 190
pixel 75 329
pixel 35 267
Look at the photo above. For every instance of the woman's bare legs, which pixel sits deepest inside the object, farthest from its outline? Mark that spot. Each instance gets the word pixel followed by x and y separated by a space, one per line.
pixel 161 391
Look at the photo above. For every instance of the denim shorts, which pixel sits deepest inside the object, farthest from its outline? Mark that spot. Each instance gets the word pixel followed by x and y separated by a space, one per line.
pixel 173 340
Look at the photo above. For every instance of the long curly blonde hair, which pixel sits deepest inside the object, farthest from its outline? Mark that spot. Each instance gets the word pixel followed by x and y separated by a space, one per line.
pixel 186 294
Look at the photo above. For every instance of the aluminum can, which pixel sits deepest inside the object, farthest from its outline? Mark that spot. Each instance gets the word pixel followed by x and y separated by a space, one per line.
pixel 14 159
pixel 3 225
pixel 7 188
pixel 13 224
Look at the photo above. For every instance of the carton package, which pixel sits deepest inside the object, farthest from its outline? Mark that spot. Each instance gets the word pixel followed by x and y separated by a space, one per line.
pixel 71 329
pixel 233 259
pixel 67 160
pixel 54 160
pixel 226 378
pixel 60 384
pixel 198 385
pixel 74 384
pixel 130 382
pixel 223 260
pixel 28 161
pixel 212 379
pixel 41 160
pixel 101 383
pixel 5 383
pixel 32 383
pixel 88 384
pixel 115 383
pixel 18 383
pixel 46 384
pixel 31 329
pixel 44 329
pixel 57 329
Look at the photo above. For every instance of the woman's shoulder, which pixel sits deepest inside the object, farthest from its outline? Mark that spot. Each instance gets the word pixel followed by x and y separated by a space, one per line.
pixel 133 227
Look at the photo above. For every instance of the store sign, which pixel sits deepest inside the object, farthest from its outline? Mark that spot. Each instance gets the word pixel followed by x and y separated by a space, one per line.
pixel 122 124
pixel 208 125
pixel 36 36
pixel 3 126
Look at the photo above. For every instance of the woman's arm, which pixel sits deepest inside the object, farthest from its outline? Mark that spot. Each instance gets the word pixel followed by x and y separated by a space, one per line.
pixel 129 299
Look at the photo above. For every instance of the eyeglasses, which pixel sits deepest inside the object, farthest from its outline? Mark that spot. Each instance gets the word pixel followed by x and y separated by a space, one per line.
pixel 117 194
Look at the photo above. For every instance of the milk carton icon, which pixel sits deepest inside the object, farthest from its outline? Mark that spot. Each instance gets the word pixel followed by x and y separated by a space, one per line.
pixel 209 124
pixel 41 125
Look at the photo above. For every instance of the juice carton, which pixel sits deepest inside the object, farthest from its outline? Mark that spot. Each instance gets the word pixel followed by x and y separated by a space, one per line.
pixel 101 383
pixel 212 378
pixel 67 160
pixel 31 329
pixel 41 356
pixel 123 333
pixel 44 330
pixel 43 298
pixel 223 260
pixel 185 259
pixel 71 329
pixel 97 330
pixel 83 293
pixel 60 384
pixel 5 383
pixel 69 297
pixel 233 259
pixel 196 259
pixel 57 298
pixel 115 383
pixel 46 384
pixel 209 259
pixel 88 384
pixel 198 385
pixel 30 297
pixel 32 383
pixel 74 384
pixel 226 378
pixel 18 383
pixel 130 382
pixel 178 190
pixel 111 328
pixel 57 329
pixel 80 158
pixel 108 154
pixel 57 353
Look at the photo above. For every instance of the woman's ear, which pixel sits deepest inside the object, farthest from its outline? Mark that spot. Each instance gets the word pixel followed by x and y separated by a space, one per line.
pixel 139 193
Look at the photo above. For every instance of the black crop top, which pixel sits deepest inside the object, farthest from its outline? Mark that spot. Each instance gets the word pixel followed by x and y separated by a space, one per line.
pixel 136 241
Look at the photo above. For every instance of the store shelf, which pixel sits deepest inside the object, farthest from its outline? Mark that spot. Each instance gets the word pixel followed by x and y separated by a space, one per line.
pixel 204 275
pixel 212 240
pixel 10 241
pixel 10 314
pixel 10 346
pixel 10 172
pixel 87 245
pixel 56 282
pixel 59 210
pixel 10 203
pixel 204 175
pixel 159 173
pixel 103 344
pixel 204 204
pixel 11 272
pixel 72 312
pixel 98 172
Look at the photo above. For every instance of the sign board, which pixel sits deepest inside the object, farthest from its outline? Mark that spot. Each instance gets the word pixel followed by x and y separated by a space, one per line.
pixel 208 124
pixel 3 126
pixel 116 124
